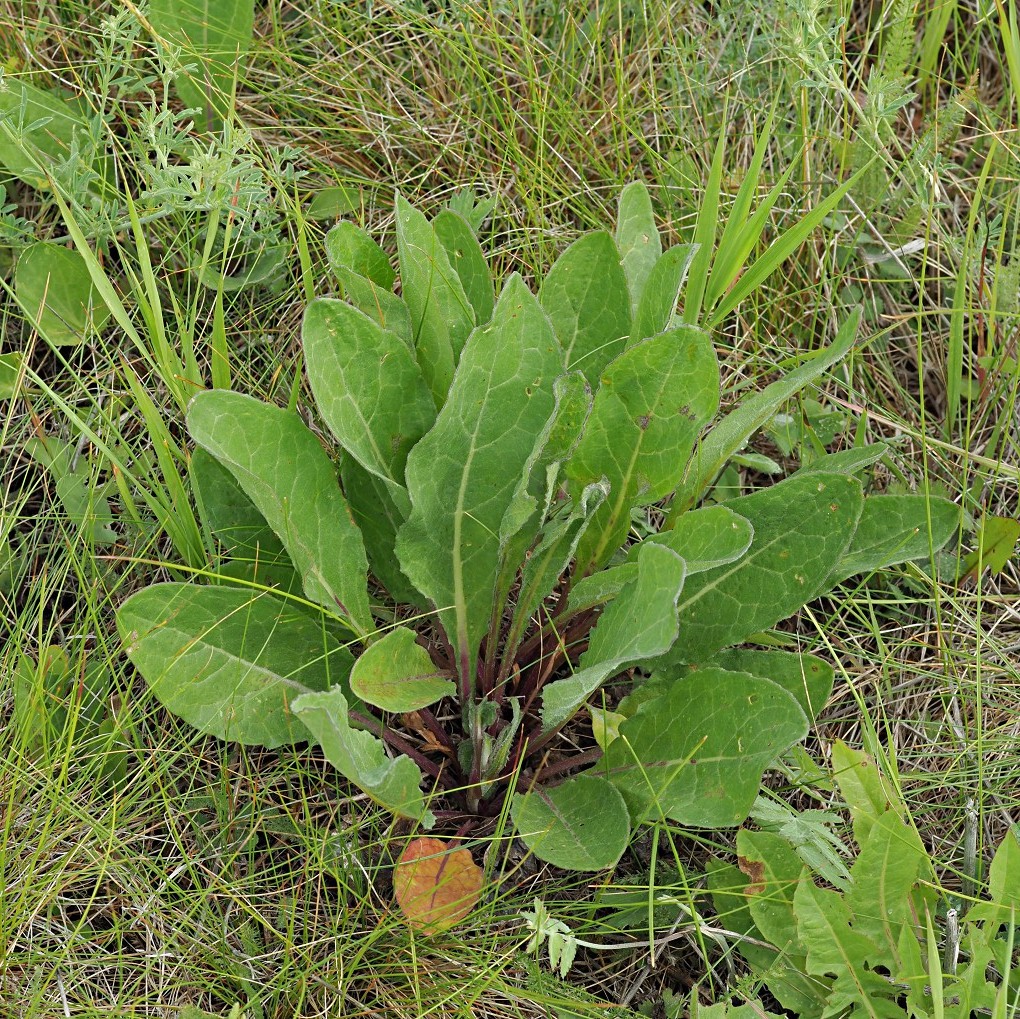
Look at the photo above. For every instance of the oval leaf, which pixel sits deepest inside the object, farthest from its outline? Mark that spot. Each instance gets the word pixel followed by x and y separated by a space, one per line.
pixel 435 885
pixel 651 405
pixel 466 257
pixel 707 537
pixel 368 388
pixel 802 527
pixel 585 296
pixel 463 474
pixel 581 824
pixel 287 475
pixel 397 674
pixel 696 752
pixel 230 661
pixel 54 287
pixel 350 247
pixel 637 237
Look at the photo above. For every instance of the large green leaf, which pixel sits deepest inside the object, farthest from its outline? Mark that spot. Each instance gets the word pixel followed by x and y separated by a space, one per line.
pixel 754 412
pixel 707 537
pixel 216 34
pixel 462 475
pixel 661 292
pixel 637 238
pixel 773 872
pixel 441 315
pixel 230 661
pixel 696 752
pixel 368 388
pixel 581 824
pixel 895 529
pixel 468 261
pixel 287 475
pixel 891 861
pixel 585 296
pixel 361 757
pixel 53 286
pixel 397 674
pixel 652 403
pixel 802 526
pixel 640 623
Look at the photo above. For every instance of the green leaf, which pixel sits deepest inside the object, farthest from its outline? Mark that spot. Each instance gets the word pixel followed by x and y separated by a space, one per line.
pixel 581 824
pixel 773 872
pixel 550 560
pixel 802 527
pixel 468 261
pixel 350 247
pixel 368 389
pixel 585 296
pixel 462 475
pixel 639 624
pixel 835 949
pixel 229 513
pixel 378 519
pixel 441 315
pixel 891 861
pixel 847 461
pixel 362 758
pixel 603 585
pixel 38 129
pixel 754 412
pixel 1003 906
pixel 696 752
pixel 11 374
pixel 997 538
pixel 652 403
pixel 228 660
pixel 54 288
pixel 866 790
pixel 637 238
pixel 216 34
pixel 707 537
pixel 895 529
pixel 334 202
pixel 397 674
pixel 805 677
pixel 661 292
pixel 378 303
pixel 287 475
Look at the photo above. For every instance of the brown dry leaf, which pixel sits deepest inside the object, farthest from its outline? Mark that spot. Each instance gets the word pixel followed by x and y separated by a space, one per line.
pixel 436 887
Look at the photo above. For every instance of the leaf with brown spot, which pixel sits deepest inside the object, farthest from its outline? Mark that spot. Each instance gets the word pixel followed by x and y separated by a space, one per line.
pixel 435 886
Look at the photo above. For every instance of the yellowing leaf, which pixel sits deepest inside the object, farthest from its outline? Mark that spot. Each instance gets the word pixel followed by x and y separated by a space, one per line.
pixel 435 886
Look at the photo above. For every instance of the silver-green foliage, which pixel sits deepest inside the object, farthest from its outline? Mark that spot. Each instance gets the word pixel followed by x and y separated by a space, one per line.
pixel 494 454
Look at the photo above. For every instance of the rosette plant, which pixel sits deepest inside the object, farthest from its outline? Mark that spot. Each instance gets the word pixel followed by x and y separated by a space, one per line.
pixel 499 590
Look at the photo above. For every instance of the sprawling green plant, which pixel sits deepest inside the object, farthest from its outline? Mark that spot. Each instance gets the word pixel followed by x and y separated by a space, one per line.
pixel 468 605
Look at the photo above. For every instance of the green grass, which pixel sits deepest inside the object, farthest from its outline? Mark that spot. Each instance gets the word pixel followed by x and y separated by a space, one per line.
pixel 204 875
